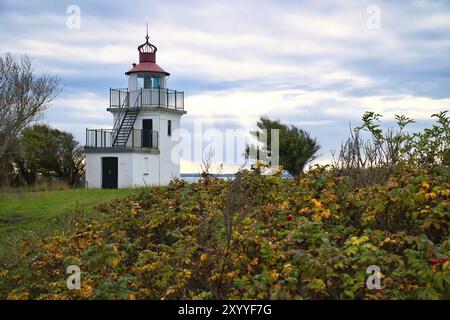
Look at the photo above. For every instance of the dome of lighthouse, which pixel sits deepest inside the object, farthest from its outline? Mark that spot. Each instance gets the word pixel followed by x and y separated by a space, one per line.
pixel 147 60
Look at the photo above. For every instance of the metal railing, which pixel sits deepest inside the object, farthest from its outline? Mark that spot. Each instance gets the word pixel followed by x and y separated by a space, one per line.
pixel 138 139
pixel 117 97
pixel 121 98
pixel 161 97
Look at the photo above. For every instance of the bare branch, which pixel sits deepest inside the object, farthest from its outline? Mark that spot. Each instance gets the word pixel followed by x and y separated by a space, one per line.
pixel 23 97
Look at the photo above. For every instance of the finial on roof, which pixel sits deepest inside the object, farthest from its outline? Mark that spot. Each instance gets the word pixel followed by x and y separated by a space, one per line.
pixel 147 47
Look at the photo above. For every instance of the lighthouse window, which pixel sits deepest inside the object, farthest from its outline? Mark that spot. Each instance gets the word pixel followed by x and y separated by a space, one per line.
pixel 156 83
pixel 145 82
pixel 169 127
pixel 149 82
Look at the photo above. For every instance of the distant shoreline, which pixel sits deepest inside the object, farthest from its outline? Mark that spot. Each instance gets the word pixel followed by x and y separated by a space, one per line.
pixel 191 177
pixel 198 175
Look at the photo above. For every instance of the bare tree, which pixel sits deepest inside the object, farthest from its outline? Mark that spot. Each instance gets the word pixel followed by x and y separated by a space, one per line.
pixel 23 97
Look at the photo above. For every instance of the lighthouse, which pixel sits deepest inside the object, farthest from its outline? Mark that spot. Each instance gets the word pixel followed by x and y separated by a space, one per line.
pixel 140 149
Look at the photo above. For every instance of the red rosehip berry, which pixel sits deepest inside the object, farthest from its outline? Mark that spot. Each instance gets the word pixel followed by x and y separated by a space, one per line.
pixel 289 217
pixel 442 260
pixel 433 261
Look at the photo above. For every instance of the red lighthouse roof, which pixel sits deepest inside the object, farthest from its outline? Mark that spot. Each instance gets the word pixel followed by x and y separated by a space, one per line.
pixel 147 60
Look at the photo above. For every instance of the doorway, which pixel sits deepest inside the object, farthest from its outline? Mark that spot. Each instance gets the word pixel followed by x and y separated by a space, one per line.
pixel 109 173
pixel 147 133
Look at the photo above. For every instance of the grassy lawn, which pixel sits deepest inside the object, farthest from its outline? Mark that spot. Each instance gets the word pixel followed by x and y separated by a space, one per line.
pixel 33 212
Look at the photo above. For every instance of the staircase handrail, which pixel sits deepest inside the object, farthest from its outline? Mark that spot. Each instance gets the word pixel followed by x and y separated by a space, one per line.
pixel 120 116
pixel 117 131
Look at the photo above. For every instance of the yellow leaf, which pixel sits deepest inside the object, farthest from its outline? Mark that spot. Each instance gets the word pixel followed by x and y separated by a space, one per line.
pixel 86 291
pixel 214 277
pixel 187 273
pixel 430 195
pixel 284 205
pixel 446 266
pixel 203 257
pixel 169 291
pixel 317 204
pixel 287 269
pixel 327 213
pixel 274 275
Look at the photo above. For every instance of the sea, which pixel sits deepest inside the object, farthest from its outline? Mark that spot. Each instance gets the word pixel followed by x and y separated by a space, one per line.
pixel 194 177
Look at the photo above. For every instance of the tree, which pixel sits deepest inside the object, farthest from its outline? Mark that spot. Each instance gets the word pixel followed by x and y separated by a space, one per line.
pixel 23 98
pixel 50 152
pixel 8 172
pixel 296 147
pixel 70 159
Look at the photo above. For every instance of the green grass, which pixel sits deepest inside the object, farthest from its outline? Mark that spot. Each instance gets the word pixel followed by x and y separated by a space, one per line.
pixel 26 213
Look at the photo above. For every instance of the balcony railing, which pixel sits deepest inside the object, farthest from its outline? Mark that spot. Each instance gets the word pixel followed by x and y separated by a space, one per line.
pixel 138 139
pixel 162 97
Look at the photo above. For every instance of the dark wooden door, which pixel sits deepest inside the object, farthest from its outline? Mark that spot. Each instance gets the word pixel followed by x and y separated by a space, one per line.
pixel 109 173
pixel 147 133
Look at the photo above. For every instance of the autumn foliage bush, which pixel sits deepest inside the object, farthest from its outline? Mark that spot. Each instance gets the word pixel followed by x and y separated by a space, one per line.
pixel 256 237
pixel 371 158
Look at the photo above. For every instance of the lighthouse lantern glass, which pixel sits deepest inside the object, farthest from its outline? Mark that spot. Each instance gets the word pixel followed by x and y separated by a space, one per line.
pixel 149 81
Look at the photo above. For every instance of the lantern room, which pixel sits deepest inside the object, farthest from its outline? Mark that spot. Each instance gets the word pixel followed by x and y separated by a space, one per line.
pixel 147 74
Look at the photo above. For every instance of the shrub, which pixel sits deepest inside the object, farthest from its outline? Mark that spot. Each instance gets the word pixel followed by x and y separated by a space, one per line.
pixel 234 240
pixel 372 160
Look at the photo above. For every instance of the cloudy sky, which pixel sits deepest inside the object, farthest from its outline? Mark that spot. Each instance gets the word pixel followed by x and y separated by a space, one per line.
pixel 315 64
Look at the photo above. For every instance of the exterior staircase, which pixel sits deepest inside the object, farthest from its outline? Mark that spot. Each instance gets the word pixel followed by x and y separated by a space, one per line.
pixel 125 128
pixel 124 123
pixel 127 111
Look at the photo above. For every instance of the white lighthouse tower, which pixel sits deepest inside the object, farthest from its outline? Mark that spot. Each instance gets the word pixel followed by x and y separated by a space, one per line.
pixel 139 150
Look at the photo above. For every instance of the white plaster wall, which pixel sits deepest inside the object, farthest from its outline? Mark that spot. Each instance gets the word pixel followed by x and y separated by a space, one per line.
pixel 147 115
pixel 132 169
pixel 146 169
pixel 132 82
pixel 169 163
pixel 164 82
pixel 168 147
pixel 94 169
